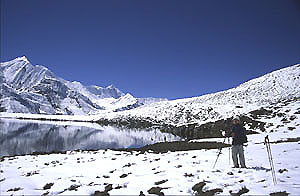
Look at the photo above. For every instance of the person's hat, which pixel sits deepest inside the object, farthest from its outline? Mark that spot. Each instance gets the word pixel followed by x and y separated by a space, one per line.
pixel 236 118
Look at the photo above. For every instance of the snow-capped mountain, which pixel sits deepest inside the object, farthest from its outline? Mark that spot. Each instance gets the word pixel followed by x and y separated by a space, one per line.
pixel 35 89
pixel 277 86
pixel 107 92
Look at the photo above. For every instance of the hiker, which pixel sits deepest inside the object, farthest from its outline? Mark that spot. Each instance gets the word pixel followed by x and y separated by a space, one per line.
pixel 238 134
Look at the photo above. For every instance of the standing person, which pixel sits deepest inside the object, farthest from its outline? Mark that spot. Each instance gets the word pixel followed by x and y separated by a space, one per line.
pixel 238 134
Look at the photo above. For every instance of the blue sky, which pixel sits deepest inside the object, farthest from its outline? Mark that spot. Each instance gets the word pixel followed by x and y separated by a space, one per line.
pixel 171 48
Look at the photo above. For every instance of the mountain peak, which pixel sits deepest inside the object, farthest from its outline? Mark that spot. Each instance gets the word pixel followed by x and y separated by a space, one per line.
pixel 111 87
pixel 35 89
pixel 22 58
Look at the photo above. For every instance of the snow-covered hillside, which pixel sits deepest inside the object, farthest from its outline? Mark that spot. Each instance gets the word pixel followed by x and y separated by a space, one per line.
pixel 35 89
pixel 277 86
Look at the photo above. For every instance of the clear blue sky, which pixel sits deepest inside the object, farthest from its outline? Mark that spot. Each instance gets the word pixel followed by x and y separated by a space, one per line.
pixel 159 48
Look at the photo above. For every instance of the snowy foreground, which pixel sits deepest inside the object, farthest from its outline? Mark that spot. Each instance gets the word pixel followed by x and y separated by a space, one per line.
pixel 83 173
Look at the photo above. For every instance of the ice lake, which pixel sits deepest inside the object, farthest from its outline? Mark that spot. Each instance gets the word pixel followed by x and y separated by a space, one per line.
pixel 18 137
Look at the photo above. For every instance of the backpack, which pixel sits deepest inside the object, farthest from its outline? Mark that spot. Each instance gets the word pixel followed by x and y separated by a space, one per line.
pixel 244 137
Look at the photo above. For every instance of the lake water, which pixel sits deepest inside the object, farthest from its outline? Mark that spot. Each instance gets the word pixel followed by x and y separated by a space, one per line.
pixel 19 137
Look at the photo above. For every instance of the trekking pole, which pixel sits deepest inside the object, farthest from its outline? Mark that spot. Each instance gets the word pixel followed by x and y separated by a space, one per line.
pixel 229 150
pixel 219 154
pixel 267 143
pixel 267 147
pixel 271 161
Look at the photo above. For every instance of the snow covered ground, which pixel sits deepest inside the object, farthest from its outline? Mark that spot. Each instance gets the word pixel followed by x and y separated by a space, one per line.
pixel 84 172
pixel 132 172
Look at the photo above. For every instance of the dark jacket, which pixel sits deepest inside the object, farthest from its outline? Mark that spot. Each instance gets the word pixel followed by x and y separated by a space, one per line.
pixel 239 135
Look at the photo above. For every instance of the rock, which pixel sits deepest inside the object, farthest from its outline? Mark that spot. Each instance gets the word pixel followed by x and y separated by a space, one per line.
pixel 279 194
pixel 100 193
pixel 123 175
pixel 260 112
pixel 46 193
pixel 285 120
pixel 293 117
pixel 15 189
pixel 280 114
pixel 188 175
pixel 242 191
pixel 103 193
pixel 155 190
pixel 48 186
pixel 129 164
pixel 141 193
pixel 230 173
pixel 108 188
pixel 73 187
pixel 282 170
pixel 31 173
pixel 118 187
pixel 198 187
pixel 212 192
pixel 263 180
pixel 291 128
pixel 160 182
pixel 91 183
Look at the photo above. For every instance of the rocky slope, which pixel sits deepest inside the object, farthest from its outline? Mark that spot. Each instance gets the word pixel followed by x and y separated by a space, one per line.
pixel 273 88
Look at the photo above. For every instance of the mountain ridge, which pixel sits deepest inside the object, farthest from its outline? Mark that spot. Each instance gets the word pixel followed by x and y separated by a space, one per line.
pixel 279 85
pixel 27 88
pixel 272 88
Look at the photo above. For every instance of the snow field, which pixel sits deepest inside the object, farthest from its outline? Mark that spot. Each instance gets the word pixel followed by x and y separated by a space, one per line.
pixel 92 171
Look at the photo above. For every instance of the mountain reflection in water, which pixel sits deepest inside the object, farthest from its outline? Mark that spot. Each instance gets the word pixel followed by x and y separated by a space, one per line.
pixel 19 137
